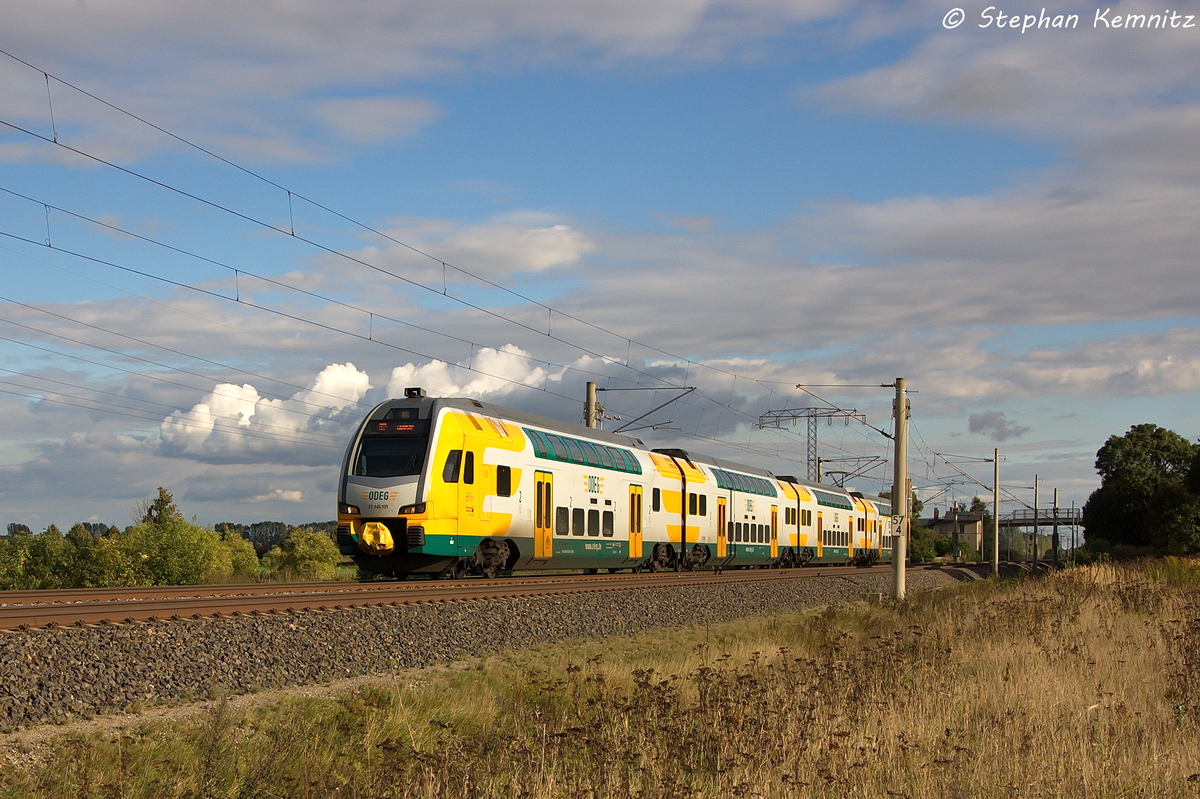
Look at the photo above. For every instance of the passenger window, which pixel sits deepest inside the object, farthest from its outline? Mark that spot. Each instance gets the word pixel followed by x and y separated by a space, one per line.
pixel 450 470
pixel 704 504
pixel 606 525
pixel 692 506
pixel 737 533
pixel 562 521
pixel 656 501
pixel 576 452
pixel 590 454
pixel 560 449
pixel 468 474
pixel 577 521
pixel 606 458
pixel 729 530
pixel 504 481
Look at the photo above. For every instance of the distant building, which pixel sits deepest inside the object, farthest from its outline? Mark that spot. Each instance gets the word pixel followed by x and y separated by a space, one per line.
pixel 969 527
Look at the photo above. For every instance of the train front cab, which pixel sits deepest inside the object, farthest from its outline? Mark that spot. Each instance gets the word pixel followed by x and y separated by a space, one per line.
pixel 436 504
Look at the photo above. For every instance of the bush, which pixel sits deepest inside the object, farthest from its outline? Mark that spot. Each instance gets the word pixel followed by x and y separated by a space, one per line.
pixel 306 554
pixel 242 557
pixel 923 545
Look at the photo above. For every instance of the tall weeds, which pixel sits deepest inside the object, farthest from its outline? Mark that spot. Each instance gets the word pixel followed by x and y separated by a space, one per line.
pixel 1084 683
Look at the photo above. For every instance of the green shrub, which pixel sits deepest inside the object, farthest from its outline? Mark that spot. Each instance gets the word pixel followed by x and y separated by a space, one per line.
pixel 306 554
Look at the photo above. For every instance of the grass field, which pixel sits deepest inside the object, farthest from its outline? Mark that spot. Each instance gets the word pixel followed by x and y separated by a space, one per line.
pixel 1083 683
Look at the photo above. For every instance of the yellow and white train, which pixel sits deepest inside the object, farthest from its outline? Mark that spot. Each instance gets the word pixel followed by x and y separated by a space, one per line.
pixel 449 487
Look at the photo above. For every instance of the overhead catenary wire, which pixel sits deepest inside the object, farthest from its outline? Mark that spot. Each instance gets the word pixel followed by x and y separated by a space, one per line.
pixel 324 248
pixel 242 271
pixel 173 352
pixel 132 413
pixel 284 314
pixel 728 407
pixel 311 322
pixel 171 408
pixel 292 193
pixel 144 375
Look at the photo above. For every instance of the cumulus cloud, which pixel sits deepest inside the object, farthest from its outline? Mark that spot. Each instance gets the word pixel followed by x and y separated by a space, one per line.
pixel 234 423
pixel 523 241
pixel 995 425
pixel 490 373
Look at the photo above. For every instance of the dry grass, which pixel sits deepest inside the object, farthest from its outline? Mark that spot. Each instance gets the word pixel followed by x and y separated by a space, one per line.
pixel 1083 683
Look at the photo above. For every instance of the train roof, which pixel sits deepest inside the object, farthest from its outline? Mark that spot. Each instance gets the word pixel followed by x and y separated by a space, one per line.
pixel 720 463
pixel 427 406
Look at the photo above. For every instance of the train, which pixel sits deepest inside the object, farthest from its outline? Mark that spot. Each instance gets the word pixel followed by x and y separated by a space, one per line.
pixel 451 487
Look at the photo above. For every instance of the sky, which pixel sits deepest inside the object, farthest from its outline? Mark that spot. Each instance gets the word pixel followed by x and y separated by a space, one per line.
pixel 228 229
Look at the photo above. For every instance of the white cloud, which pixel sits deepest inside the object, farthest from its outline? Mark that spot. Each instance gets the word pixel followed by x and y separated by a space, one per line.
pixel 497 372
pixel 234 423
pixel 224 55
pixel 280 495
pixel 514 242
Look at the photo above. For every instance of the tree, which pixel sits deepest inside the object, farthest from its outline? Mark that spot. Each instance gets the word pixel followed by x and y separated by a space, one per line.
pixel 1174 520
pixel 981 507
pixel 166 549
pixel 1133 468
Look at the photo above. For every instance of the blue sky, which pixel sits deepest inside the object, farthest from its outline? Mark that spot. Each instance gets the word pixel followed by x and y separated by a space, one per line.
pixel 744 195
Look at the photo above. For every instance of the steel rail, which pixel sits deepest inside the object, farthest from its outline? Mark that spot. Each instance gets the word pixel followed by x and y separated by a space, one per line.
pixel 195 603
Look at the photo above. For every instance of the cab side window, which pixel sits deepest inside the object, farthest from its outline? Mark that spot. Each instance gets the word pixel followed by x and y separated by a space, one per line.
pixel 450 470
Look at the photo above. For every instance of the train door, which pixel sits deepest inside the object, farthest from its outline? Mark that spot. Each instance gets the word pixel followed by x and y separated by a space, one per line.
pixel 774 531
pixel 468 510
pixel 722 514
pixel 851 527
pixel 635 521
pixel 820 533
pixel 543 515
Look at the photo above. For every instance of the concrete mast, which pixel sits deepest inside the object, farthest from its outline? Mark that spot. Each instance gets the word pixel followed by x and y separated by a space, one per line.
pixel 900 492
pixel 996 513
pixel 589 406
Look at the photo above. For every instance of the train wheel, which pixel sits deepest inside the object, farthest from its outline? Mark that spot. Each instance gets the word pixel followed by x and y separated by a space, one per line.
pixel 591 571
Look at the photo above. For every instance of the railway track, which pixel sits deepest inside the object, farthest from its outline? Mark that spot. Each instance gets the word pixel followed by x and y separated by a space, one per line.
pixel 21 610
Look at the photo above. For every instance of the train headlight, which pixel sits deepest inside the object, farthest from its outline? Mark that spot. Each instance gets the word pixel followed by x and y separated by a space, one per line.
pixel 344 508
pixel 412 509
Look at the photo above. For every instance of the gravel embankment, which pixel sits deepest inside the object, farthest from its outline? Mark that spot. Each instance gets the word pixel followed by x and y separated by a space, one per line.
pixel 52 675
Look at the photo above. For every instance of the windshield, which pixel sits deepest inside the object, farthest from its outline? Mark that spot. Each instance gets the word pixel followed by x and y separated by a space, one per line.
pixel 390 456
